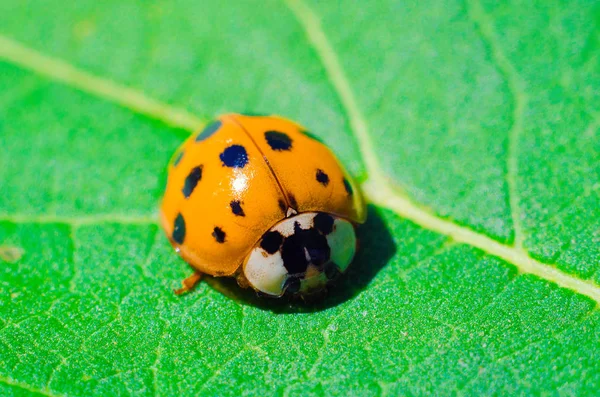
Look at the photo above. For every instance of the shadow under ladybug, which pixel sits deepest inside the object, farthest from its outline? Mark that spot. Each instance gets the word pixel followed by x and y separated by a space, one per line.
pixel 376 248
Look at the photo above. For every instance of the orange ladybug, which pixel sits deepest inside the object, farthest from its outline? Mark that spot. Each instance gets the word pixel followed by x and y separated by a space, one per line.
pixel 255 198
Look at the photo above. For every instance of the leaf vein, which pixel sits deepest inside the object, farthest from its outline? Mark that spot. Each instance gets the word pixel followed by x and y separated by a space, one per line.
pixel 507 70
pixel 377 188
pixel 60 70
pixel 81 220
pixel 11 382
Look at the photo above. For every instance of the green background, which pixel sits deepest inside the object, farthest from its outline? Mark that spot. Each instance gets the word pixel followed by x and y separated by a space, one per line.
pixel 484 116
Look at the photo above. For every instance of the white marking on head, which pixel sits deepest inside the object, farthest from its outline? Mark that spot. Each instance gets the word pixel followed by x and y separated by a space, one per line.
pixel 342 242
pixel 266 272
pixel 287 226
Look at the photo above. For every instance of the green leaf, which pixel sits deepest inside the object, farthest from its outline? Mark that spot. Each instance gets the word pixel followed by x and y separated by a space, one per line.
pixel 473 128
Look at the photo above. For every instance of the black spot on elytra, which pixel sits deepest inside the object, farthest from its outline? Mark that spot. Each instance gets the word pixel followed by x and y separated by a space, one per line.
pixel 348 187
pixel 322 177
pixel 295 248
pixel 292 285
pixel 282 206
pixel 278 140
pixel 191 181
pixel 234 156
pixel 179 229
pixel 271 241
pixel 178 159
pixel 218 234
pixel 236 208
pixel 324 223
pixel 293 202
pixel 209 130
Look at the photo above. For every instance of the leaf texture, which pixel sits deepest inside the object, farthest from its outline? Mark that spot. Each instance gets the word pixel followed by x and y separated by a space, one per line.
pixel 473 127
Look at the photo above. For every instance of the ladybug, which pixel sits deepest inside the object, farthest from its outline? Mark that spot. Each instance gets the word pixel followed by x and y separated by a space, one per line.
pixel 257 198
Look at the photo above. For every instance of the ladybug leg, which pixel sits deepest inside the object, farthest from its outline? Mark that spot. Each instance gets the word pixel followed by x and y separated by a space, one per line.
pixel 242 280
pixel 189 283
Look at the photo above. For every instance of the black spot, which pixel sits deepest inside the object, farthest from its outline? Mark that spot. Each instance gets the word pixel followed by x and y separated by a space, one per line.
pixel 218 234
pixel 179 229
pixel 292 285
pixel 271 242
pixel 322 178
pixel 234 156
pixel 209 130
pixel 296 246
pixel 282 206
pixel 191 181
pixel 348 187
pixel 293 202
pixel 324 223
pixel 278 140
pixel 178 159
pixel 331 271
pixel 236 208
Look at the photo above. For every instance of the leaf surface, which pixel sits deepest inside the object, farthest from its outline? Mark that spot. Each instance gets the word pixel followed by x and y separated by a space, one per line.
pixel 474 127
